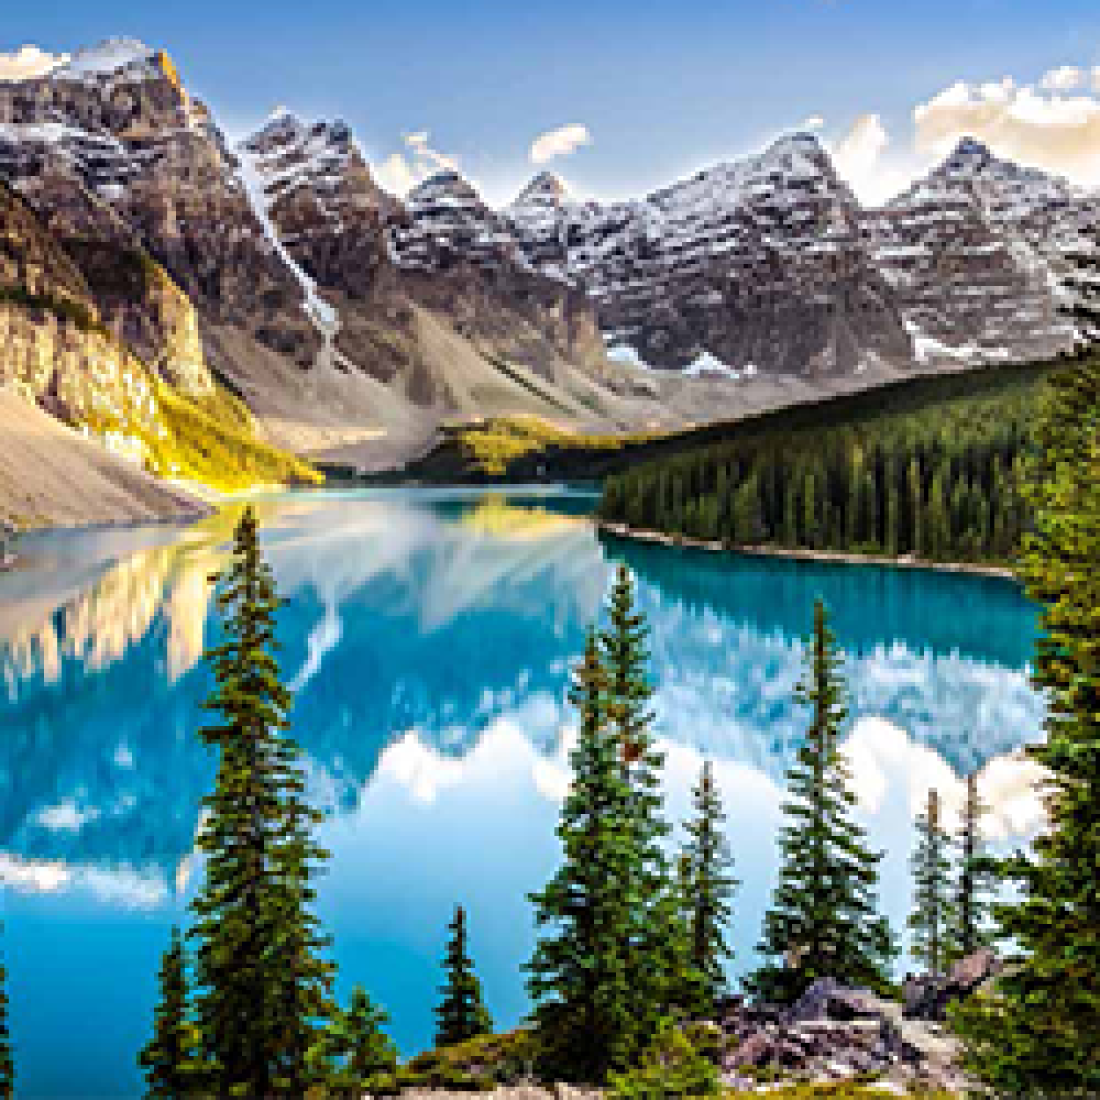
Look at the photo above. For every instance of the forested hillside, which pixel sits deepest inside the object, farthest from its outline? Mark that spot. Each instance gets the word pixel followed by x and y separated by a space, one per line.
pixel 931 472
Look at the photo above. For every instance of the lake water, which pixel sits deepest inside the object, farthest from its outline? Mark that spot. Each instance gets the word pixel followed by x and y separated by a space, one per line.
pixel 428 638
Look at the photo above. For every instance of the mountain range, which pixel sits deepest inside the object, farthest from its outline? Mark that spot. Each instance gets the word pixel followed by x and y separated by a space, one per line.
pixel 274 288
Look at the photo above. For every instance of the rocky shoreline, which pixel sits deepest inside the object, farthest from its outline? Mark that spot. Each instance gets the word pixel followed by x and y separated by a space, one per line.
pixel 621 530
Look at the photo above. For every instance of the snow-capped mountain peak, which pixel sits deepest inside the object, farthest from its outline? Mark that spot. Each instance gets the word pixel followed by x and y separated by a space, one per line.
pixel 545 189
pixel 111 56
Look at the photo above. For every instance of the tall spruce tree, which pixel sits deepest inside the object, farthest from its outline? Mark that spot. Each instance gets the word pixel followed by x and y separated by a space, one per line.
pixel 649 892
pixel 709 884
pixel 577 976
pixel 171 1057
pixel 971 910
pixel 931 918
pixel 363 1058
pixel 263 986
pixel 462 1014
pixel 1037 1034
pixel 7 1061
pixel 823 919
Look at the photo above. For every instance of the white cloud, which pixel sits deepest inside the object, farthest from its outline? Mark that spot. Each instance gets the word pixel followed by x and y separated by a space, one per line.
pixel 421 148
pixel 399 173
pixel 1036 125
pixel 29 61
pixel 814 122
pixel 66 816
pixel 1063 79
pixel 559 143
pixel 859 158
pixel 857 153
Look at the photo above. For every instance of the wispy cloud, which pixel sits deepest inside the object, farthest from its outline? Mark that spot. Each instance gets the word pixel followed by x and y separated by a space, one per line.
pixel 860 158
pixel 559 143
pixel 29 61
pixel 1063 79
pixel 400 172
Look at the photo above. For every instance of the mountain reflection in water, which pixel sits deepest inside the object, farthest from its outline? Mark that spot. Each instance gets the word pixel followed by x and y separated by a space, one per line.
pixel 428 637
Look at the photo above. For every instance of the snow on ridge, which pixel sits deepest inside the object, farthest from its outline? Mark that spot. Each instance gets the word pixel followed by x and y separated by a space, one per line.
pixel 707 364
pixel 106 58
pixel 626 355
pixel 323 316
pixel 927 348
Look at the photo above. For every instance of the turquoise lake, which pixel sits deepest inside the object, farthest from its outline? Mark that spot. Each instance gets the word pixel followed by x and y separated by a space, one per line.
pixel 428 638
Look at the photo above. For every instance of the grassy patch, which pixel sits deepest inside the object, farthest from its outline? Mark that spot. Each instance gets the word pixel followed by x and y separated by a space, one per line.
pixel 492 447
pixel 481 1063
pixel 210 440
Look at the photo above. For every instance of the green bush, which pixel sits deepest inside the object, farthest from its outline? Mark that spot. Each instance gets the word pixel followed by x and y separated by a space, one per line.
pixel 673 1065
pixel 480 1063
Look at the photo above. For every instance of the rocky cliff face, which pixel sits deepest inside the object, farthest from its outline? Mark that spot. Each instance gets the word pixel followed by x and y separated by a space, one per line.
pixel 974 253
pixel 57 350
pixel 757 265
pixel 354 324
pixel 770 264
pixel 432 298
pixel 112 148
pixel 320 195
pixel 461 258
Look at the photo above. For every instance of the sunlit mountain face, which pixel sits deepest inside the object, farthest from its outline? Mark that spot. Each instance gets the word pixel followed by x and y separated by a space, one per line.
pixel 428 638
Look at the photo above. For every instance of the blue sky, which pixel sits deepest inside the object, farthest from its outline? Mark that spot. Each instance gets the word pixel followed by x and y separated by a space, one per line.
pixel 661 88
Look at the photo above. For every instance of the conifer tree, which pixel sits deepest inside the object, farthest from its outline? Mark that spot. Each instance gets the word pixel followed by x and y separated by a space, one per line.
pixel 171 1057
pixel 461 1015
pixel 651 909
pixel 7 1061
pixel 709 886
pixel 1036 1035
pixel 823 920
pixel 577 976
pixel 364 1057
pixel 931 918
pixel 971 910
pixel 263 987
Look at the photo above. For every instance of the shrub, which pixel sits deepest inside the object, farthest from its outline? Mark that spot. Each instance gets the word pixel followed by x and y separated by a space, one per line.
pixel 672 1066
pixel 480 1063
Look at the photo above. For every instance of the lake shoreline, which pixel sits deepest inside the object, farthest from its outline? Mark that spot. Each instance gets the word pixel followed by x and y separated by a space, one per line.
pixel 641 534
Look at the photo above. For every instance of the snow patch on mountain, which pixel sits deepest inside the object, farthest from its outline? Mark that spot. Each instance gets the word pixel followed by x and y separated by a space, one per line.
pixel 108 57
pixel 705 364
pixel 627 356
pixel 322 315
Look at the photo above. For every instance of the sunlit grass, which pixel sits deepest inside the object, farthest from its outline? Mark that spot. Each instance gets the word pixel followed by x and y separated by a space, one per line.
pixel 492 446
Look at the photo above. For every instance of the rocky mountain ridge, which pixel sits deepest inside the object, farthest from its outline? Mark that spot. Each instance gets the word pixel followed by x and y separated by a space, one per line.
pixel 771 263
pixel 354 324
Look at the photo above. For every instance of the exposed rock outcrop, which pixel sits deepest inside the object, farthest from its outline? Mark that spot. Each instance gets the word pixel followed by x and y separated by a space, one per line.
pixel 835 1033
pixel 927 997
pixel 112 148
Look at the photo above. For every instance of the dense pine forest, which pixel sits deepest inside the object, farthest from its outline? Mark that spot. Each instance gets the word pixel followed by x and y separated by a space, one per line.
pixel 930 471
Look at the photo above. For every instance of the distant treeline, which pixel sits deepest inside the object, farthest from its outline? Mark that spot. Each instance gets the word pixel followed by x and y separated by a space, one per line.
pixel 937 478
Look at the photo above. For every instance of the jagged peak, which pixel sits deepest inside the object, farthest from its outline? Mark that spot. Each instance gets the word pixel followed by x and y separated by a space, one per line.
pixel 280 127
pixel 545 189
pixel 800 141
pixel 971 147
pixel 446 183
pixel 972 158
pixel 284 131
pixel 110 56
